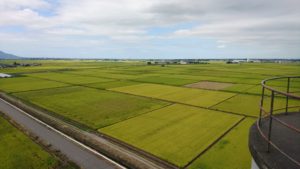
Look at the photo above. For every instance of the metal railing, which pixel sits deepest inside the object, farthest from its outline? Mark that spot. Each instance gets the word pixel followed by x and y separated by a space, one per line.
pixel 265 114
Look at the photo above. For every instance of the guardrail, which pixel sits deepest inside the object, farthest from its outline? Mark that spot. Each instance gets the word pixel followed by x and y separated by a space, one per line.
pixel 288 94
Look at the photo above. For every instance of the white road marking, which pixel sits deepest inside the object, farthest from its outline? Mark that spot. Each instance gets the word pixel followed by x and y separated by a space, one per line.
pixel 64 135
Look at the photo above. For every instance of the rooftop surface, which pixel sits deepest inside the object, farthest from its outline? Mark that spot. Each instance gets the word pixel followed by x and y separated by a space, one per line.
pixel 286 139
pixel 4 75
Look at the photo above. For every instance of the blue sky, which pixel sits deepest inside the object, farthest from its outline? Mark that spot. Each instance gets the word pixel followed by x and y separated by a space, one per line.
pixel 140 29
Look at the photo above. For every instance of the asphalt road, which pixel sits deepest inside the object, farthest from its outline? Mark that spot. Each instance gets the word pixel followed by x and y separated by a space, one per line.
pixel 82 155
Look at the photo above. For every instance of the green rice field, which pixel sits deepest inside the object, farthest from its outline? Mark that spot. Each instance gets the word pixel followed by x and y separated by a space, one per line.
pixel 18 151
pixel 249 105
pixel 165 131
pixel 19 84
pixel 196 97
pixel 235 141
pixel 94 108
pixel 69 78
pixel 191 116
pixel 111 84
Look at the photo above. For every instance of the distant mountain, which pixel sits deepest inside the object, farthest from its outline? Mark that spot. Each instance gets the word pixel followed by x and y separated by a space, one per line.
pixel 4 55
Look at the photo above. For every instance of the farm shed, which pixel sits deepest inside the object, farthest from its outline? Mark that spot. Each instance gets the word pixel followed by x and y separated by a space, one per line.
pixel 3 75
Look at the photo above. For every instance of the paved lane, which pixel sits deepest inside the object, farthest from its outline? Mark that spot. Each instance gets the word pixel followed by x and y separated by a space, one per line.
pixel 82 155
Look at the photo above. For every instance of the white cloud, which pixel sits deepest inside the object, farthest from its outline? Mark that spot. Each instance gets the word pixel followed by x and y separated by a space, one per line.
pixel 18 4
pixel 269 22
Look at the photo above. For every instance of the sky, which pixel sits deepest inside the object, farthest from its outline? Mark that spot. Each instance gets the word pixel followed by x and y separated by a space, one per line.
pixel 151 29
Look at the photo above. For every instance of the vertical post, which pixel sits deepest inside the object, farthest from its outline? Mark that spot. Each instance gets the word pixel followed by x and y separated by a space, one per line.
pixel 287 97
pixel 270 119
pixel 261 103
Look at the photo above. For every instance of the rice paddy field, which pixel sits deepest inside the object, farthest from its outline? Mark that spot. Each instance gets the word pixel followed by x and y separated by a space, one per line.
pixel 193 116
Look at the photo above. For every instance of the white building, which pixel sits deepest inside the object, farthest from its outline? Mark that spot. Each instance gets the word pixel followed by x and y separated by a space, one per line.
pixel 182 62
pixel 3 75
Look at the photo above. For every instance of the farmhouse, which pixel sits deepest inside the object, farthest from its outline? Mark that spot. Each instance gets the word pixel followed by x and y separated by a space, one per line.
pixel 3 75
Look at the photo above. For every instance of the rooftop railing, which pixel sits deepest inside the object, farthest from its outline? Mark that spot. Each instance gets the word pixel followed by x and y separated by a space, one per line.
pixel 268 114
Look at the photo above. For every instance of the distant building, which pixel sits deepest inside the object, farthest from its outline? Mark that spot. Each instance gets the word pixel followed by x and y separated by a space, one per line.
pixel 183 62
pixel 253 60
pixel 239 61
pixel 232 62
pixel 3 75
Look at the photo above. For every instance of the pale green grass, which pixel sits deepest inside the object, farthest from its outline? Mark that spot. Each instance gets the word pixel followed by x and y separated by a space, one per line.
pixel 239 88
pixel 258 90
pixel 175 133
pixel 112 84
pixel 197 97
pixel 17 84
pixel 249 104
pixel 17 151
pixel 69 78
pixel 166 80
pixel 231 152
pixel 92 107
pixel 105 74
